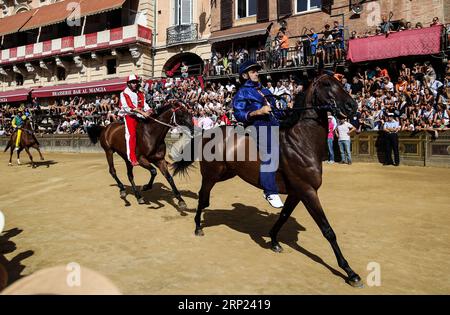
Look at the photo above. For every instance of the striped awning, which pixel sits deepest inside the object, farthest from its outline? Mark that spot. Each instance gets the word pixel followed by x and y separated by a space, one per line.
pixel 55 13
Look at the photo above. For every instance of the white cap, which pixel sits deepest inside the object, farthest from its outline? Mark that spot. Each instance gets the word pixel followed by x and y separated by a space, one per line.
pixel 132 77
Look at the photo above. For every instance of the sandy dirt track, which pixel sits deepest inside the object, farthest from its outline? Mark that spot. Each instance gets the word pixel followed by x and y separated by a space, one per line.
pixel 70 211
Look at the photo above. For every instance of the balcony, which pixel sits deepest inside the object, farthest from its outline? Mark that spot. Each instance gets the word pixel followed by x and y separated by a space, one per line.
pixel 121 36
pixel 180 34
pixel 271 62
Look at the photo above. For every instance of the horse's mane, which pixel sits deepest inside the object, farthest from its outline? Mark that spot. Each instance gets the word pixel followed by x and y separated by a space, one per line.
pixel 160 110
pixel 293 115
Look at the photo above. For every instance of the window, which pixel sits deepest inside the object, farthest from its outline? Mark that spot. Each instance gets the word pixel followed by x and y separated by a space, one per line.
pixel 60 73
pixel 182 12
pixel 307 5
pixel 111 66
pixel 19 79
pixel 245 8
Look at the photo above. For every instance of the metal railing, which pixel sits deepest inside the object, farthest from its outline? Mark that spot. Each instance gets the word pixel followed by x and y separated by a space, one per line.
pixel 182 33
pixel 273 60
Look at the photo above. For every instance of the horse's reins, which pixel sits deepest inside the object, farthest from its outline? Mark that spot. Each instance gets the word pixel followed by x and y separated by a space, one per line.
pixel 172 122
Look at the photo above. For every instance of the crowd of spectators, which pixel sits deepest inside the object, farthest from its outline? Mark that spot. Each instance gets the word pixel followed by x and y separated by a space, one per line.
pixel 279 51
pixel 66 115
pixel 386 27
pixel 314 46
pixel 415 95
pixel 418 100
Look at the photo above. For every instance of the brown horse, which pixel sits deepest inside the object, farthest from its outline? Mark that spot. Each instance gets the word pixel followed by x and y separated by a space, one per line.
pixel 302 149
pixel 150 146
pixel 27 140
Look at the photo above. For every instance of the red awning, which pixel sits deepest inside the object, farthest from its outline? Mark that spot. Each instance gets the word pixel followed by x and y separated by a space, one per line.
pixel 13 23
pixel 95 87
pixel 51 14
pixel 89 7
pixel 14 96
pixel 424 41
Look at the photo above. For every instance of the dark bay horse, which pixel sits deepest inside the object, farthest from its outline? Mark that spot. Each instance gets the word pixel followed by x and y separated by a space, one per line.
pixel 27 140
pixel 150 146
pixel 302 148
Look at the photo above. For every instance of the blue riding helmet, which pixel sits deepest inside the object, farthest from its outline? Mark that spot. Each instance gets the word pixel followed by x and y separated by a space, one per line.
pixel 247 65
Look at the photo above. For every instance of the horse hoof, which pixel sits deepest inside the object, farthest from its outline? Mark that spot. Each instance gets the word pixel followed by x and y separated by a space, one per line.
pixel 10 164
pixel 42 159
pixel 355 281
pixel 182 205
pixel 277 248
pixel 146 187
pixel 123 194
pixel 33 166
pixel 141 201
pixel 199 232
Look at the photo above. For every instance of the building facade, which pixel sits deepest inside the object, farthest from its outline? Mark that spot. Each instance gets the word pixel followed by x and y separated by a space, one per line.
pixel 244 24
pixel 182 32
pixel 73 45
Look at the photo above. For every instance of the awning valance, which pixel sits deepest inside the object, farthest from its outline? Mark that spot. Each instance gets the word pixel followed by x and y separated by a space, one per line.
pixel 61 11
pixel 424 41
pixel 239 32
pixel 12 24
pixel 51 14
pixel 94 87
pixel 14 95
pixel 90 7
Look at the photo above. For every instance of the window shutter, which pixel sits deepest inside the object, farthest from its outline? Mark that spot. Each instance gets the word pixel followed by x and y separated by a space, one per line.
pixel 186 11
pixel 226 14
pixel 326 6
pixel 262 11
pixel 284 8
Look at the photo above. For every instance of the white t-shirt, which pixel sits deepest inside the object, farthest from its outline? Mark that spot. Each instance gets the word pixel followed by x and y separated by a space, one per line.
pixel 389 86
pixel 230 87
pixel 343 130
pixel 205 123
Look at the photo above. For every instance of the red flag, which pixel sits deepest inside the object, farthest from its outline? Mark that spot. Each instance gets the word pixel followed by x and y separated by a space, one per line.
pixel 200 79
pixel 171 72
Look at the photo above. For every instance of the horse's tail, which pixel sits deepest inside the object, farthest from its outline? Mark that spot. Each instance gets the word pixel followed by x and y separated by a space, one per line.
pixel 182 165
pixel 94 132
pixel 8 145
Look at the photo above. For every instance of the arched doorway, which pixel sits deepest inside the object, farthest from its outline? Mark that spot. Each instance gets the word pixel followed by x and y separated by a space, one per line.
pixel 172 67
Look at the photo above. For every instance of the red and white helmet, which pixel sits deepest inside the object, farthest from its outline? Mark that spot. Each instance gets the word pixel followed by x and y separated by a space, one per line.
pixel 132 77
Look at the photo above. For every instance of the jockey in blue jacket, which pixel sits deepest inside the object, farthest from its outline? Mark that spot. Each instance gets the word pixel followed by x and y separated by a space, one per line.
pixel 251 107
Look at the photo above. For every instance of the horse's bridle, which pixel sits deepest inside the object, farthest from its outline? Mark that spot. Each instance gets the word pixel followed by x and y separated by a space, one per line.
pixel 173 120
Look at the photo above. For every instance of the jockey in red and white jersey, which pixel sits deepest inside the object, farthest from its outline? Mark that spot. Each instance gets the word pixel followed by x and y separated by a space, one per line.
pixel 133 105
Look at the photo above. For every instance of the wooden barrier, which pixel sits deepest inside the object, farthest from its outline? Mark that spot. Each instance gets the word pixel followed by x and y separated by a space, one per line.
pixel 415 149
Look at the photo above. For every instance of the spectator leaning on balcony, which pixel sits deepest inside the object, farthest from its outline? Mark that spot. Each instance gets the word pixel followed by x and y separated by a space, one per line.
pixel 435 21
pixel 284 47
pixel 338 36
pixel 386 26
pixel 314 41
